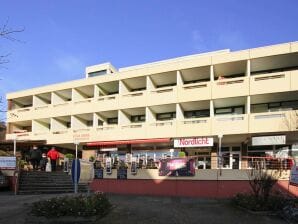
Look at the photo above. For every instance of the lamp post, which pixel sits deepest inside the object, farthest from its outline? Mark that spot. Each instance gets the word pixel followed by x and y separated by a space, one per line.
pixel 76 169
pixel 14 144
pixel 219 160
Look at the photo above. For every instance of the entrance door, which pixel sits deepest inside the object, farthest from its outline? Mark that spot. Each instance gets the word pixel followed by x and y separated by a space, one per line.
pixel 235 160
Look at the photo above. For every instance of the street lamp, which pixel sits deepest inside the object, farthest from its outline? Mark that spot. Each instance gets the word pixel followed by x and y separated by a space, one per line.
pixel 76 169
pixel 14 144
pixel 219 159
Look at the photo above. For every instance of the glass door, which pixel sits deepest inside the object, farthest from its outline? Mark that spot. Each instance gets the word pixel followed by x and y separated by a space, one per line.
pixel 235 160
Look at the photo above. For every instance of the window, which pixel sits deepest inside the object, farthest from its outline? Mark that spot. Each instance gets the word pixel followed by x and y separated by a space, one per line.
pixel 166 85
pixel 165 116
pixel 196 113
pixel 89 123
pixel 229 110
pixel 137 118
pixel 112 120
pixel 68 124
pixel 97 73
pixel 138 89
pixel 100 123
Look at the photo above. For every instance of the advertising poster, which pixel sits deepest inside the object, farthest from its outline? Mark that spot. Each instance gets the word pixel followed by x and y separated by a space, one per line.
pixel 7 162
pixel 122 173
pixel 294 176
pixel 109 165
pixel 177 167
pixel 133 168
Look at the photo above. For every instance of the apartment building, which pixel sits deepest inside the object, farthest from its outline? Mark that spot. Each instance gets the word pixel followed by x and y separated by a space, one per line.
pixel 235 104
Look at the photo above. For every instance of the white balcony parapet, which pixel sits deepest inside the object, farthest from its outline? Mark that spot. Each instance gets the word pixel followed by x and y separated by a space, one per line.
pixel 61 104
pixel 230 81
pixel 105 128
pixel 41 133
pixel 230 118
pixel 24 109
pixel 194 121
pixel 195 85
pixel 133 94
pixel 81 130
pixel 132 126
pixel 269 76
pixel 83 101
pixel 60 132
pixel 269 116
pixel 41 107
pixel 162 123
pixel 108 97
pixel 163 89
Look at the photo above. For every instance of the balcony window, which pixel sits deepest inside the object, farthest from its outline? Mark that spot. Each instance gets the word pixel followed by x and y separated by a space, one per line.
pixel 274 106
pixel 137 118
pixel 196 113
pixel 112 120
pixel 100 123
pixel 229 110
pixel 165 116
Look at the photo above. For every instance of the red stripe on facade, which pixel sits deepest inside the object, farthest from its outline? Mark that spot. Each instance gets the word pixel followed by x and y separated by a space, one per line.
pixel 125 142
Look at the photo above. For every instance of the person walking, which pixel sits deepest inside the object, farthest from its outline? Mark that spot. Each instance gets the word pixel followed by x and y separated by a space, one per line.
pixel 53 155
pixel 35 156
pixel 43 162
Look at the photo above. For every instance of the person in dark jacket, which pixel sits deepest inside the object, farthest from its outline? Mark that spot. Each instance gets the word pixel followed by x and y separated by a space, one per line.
pixel 35 156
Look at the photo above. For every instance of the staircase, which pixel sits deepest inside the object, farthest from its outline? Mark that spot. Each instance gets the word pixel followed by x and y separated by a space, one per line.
pixel 38 182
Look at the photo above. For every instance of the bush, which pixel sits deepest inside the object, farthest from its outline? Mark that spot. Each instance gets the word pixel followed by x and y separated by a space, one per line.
pixel 272 203
pixel 69 156
pixel 93 205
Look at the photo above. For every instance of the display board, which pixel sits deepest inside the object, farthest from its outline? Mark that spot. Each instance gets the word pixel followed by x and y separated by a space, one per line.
pixel 98 173
pixel 122 174
pixel 294 176
pixel 177 167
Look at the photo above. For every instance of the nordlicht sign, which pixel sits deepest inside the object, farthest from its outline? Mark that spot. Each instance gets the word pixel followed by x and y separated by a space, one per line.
pixel 269 140
pixel 193 142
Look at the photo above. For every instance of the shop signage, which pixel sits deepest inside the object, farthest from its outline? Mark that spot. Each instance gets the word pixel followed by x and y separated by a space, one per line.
pixel 109 149
pixel 193 142
pixel 177 167
pixel 294 176
pixel 7 162
pixel 269 140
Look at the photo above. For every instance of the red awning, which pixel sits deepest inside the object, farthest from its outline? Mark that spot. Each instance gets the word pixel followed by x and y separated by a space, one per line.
pixel 125 142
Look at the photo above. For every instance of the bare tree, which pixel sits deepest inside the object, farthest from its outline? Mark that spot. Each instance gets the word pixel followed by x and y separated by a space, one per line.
pixel 7 33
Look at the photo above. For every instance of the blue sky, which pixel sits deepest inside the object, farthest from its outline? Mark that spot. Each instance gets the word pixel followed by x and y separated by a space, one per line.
pixel 62 37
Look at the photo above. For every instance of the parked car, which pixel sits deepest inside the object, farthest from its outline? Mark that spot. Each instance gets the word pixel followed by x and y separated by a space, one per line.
pixel 3 181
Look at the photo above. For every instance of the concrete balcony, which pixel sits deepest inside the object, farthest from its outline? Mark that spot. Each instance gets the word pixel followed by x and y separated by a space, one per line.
pixel 230 124
pixel 273 121
pixel 194 92
pixel 294 80
pixel 269 83
pixel 133 99
pixel 104 103
pixel 107 133
pixel 163 95
pixel 230 87
pixel 162 129
pixel 19 114
pixel 194 127
pixel 24 136
pixel 133 131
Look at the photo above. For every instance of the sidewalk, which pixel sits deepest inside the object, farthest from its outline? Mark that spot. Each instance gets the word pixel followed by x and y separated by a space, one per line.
pixel 144 210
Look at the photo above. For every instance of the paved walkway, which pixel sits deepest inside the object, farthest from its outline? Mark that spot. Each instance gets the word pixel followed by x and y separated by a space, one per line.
pixel 144 210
